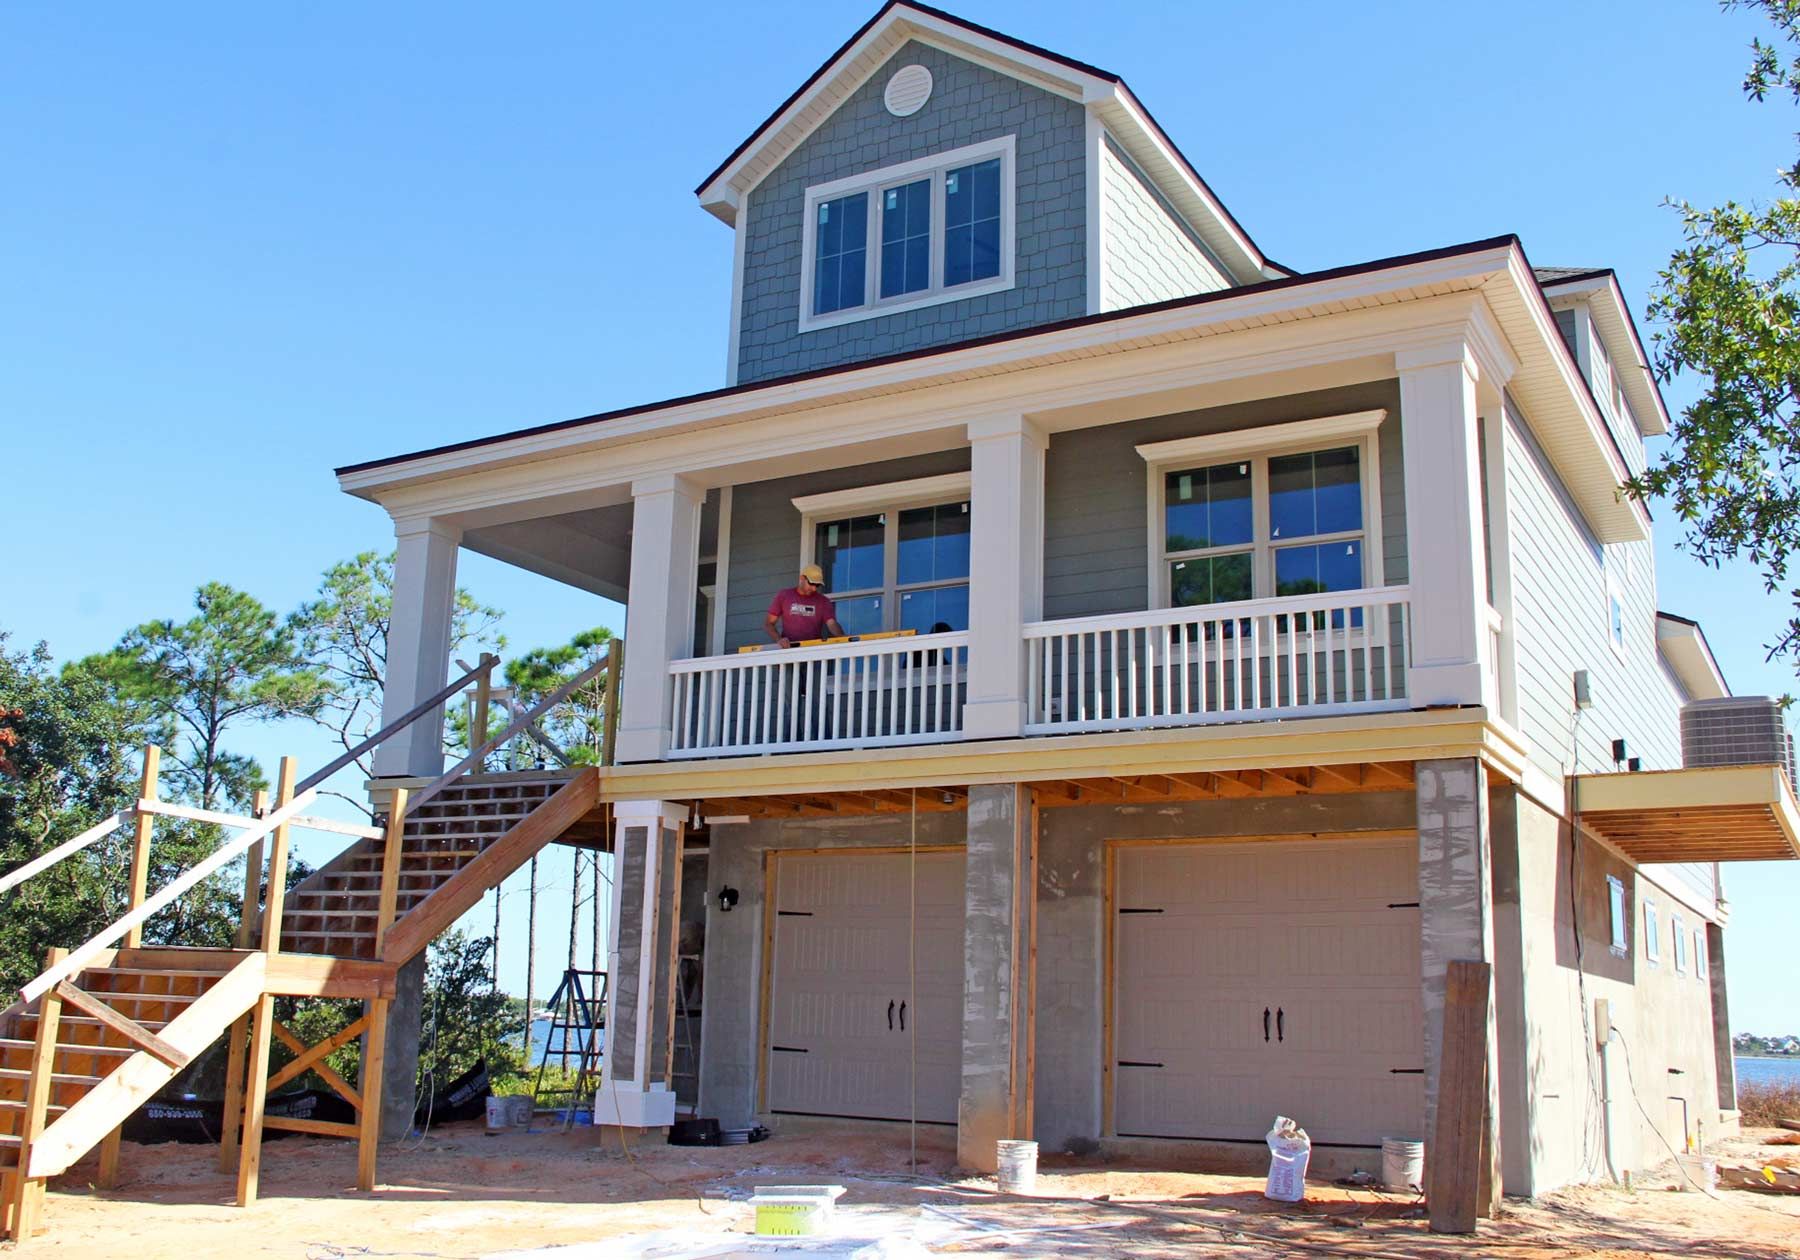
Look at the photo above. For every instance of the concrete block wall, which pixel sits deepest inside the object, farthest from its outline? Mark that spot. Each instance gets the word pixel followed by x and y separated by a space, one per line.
pixel 969 104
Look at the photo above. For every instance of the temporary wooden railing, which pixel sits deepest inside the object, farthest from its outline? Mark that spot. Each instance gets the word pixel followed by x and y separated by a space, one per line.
pixel 866 694
pixel 1306 655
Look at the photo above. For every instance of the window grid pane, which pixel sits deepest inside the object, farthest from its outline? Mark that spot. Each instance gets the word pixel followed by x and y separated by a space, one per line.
pixel 841 258
pixel 1319 492
pixel 1207 507
pixel 1209 580
pixel 934 544
pixel 972 222
pixel 851 552
pixel 906 239
pixel 935 610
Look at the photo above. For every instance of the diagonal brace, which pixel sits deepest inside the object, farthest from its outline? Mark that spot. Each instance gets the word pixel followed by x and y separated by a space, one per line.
pixel 124 1025
pixel 313 1057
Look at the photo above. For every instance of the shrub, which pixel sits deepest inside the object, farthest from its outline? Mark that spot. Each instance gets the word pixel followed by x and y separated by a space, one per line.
pixel 1762 1103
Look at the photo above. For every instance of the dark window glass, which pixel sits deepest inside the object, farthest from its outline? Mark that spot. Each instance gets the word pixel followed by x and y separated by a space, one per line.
pixel 850 552
pixel 934 544
pixel 861 615
pixel 1333 566
pixel 1319 492
pixel 906 238
pixel 935 610
pixel 1209 580
pixel 1207 507
pixel 840 256
pixel 972 222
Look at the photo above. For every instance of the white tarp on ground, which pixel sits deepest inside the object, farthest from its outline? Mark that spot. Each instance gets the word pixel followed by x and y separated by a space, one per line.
pixel 690 1244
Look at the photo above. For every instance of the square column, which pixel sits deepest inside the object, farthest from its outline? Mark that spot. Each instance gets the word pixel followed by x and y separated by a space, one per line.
pixel 635 1085
pixel 659 613
pixel 1445 547
pixel 418 662
pixel 1006 569
pixel 1456 910
pixel 999 905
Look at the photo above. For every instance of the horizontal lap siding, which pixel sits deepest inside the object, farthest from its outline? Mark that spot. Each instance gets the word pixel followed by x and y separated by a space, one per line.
pixel 1095 547
pixel 765 531
pixel 1560 626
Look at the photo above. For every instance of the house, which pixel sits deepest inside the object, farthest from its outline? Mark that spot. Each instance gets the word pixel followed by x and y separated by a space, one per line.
pixel 1231 649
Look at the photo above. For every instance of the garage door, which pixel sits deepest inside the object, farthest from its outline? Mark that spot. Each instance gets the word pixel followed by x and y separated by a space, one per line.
pixel 844 1024
pixel 1276 978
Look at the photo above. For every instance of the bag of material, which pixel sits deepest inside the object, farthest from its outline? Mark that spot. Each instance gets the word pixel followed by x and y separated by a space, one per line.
pixel 1289 1151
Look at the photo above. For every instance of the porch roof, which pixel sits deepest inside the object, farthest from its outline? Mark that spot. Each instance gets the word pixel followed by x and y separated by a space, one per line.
pixel 1702 814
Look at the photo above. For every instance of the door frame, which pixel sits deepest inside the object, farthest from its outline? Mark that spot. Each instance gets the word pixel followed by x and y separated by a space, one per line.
pixel 1109 979
pixel 766 979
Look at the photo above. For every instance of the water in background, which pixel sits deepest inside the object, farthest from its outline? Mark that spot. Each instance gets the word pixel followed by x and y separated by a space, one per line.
pixel 540 1044
pixel 1754 1071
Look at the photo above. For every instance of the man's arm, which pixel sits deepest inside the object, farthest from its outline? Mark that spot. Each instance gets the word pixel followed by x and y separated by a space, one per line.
pixel 833 629
pixel 772 627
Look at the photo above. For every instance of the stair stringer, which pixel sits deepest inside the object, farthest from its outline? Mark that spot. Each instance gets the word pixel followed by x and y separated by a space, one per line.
pixel 129 1086
pixel 422 924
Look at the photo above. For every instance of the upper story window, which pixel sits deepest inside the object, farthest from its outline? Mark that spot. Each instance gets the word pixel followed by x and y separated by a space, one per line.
pixel 1652 942
pixel 910 235
pixel 1291 509
pixel 1700 951
pixel 896 557
pixel 1615 898
pixel 1678 931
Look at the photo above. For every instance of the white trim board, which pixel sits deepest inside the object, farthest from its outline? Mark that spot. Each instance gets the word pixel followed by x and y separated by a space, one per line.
pixel 892 494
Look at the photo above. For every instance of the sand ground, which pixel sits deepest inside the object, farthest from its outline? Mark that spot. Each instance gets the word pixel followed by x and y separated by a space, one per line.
pixel 463 1193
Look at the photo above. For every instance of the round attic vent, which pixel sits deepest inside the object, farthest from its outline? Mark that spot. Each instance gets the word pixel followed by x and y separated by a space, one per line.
pixel 907 91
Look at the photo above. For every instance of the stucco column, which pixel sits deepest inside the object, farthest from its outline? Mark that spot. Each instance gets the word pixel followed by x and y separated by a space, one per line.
pixel 999 900
pixel 659 616
pixel 1456 909
pixel 640 965
pixel 1445 548
pixel 418 645
pixel 1006 569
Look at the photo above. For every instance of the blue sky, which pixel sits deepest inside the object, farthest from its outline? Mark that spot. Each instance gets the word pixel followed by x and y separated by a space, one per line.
pixel 241 244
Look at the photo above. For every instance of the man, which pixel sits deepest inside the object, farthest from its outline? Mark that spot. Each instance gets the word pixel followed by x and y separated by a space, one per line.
pixel 804 612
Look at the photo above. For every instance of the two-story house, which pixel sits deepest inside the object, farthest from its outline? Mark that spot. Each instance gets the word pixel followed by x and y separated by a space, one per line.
pixel 1228 650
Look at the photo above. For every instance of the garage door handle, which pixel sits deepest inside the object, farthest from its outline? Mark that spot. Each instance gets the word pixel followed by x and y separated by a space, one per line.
pixel 903 1017
pixel 1265 1023
pixel 1280 1019
pixel 890 1015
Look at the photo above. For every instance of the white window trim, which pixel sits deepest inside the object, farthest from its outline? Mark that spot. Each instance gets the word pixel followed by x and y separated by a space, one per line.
pixel 1700 967
pixel 1615 591
pixel 1356 428
pixel 874 182
pixel 890 499
pixel 1652 941
pixel 1679 945
pixel 1622 947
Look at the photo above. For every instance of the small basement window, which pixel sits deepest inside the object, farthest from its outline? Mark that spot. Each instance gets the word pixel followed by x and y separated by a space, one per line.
pixel 1678 930
pixel 1615 895
pixel 1652 946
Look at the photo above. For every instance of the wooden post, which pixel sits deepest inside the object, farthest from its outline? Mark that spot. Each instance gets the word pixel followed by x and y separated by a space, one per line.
pixel 27 1193
pixel 484 691
pixel 374 1052
pixel 238 1044
pixel 393 848
pixel 257 1082
pixel 140 841
pixel 609 720
pixel 1453 1169
pixel 276 897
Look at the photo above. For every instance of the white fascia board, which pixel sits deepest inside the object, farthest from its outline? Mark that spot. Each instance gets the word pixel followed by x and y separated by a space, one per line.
pixel 1684 646
pixel 1226 310
pixel 1610 314
pixel 853 67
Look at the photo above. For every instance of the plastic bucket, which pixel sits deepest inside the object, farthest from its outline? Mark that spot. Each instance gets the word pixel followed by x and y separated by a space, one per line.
pixel 1694 1170
pixel 497 1118
pixel 518 1110
pixel 1402 1164
pixel 1016 1166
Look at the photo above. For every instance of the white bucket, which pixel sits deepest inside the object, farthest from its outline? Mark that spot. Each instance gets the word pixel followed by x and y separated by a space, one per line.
pixel 1694 1170
pixel 497 1117
pixel 1017 1166
pixel 1402 1164
pixel 518 1110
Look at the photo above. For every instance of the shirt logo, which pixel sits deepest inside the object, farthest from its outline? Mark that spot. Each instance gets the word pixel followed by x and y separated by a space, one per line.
pixel 802 610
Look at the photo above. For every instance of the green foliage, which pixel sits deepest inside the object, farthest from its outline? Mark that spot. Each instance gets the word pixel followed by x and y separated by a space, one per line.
pixel 1727 307
pixel 578 725
pixel 466 1018
pixel 342 635
pixel 71 761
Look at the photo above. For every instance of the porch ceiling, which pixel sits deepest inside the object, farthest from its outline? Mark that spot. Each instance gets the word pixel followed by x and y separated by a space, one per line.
pixel 1711 814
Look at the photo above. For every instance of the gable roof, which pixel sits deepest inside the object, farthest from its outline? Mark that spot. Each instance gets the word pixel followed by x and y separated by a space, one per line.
pixel 1105 94
pixel 1612 316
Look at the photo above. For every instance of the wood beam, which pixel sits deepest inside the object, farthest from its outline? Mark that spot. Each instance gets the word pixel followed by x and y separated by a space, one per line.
pixel 126 1027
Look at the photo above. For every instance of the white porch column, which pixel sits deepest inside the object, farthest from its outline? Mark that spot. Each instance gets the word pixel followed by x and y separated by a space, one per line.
pixel 659 613
pixel 1006 569
pixel 1445 550
pixel 642 936
pixel 418 660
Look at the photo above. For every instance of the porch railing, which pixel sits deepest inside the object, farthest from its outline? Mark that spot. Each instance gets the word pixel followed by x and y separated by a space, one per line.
pixel 1308 655
pixel 907 690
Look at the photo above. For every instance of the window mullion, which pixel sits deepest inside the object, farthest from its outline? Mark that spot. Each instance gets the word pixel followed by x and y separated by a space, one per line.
pixel 1262 564
pixel 890 568
pixel 938 206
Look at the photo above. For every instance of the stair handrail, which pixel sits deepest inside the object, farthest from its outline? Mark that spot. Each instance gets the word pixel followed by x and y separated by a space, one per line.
pixel 81 958
pixel 419 710
pixel 478 755
pixel 68 848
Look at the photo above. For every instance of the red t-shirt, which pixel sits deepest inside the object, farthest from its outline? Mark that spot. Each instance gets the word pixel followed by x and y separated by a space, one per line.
pixel 800 616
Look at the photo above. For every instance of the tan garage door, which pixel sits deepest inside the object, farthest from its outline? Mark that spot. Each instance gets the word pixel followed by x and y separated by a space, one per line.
pixel 844 1024
pixel 1265 979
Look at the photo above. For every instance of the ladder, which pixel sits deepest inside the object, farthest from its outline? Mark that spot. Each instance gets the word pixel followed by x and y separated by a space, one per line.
pixel 578 1006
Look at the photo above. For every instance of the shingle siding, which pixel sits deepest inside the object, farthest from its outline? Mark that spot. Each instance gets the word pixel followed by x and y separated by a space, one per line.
pixel 1151 255
pixel 969 104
